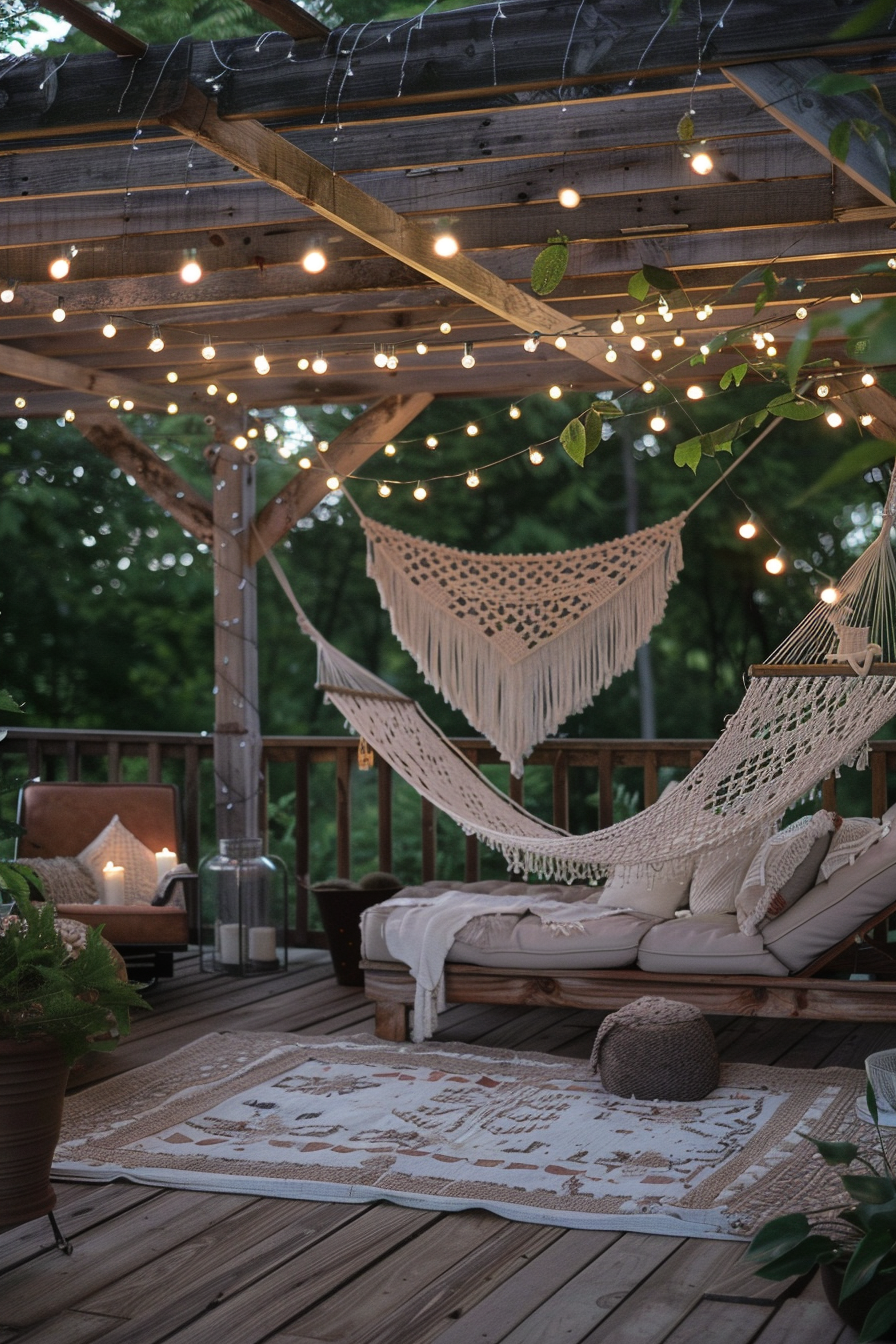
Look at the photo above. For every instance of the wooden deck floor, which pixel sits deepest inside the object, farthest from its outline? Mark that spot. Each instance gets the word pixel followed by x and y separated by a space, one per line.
pixel 155 1265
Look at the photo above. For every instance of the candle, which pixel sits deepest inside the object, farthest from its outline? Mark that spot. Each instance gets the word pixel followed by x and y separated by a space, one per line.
pixel 229 942
pixel 263 944
pixel 166 859
pixel 113 884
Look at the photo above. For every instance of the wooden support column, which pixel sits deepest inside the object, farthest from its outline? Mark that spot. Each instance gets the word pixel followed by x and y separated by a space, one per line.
pixel 237 725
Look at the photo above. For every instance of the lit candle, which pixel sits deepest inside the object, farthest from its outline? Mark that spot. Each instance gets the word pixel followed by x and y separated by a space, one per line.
pixel 229 943
pixel 263 944
pixel 113 884
pixel 166 859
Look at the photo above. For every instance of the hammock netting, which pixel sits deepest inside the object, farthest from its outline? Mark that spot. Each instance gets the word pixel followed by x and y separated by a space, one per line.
pixel 814 712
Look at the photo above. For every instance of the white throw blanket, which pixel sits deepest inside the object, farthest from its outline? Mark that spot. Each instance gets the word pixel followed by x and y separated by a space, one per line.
pixel 420 931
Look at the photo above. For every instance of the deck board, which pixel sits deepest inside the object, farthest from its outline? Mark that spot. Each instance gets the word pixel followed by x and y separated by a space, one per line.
pixel 155 1265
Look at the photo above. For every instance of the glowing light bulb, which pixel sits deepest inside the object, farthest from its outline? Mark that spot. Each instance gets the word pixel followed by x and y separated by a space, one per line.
pixel 389 450
pixel 114 402
pixel 637 343
pixel 58 313
pixel 856 296
pixel 68 416
pixel 208 350
pixel 332 482
pixel 656 354
pixel 536 456
pixel 314 261
pixel 472 429
pixel 771 351
pixel 701 164
pixel 319 363
pixel 171 376
pixel 156 344
pixel 445 328
pixel 472 480
pixel 801 313
pixel 866 420
pixel 555 392
pixel 323 446
pixel 212 389
pixel 380 358
pixel 392 361
pixel 748 529
pixel 172 408
pixel 834 419
pixel 446 245
pixel 109 329
pixel 694 392
pixel 420 492
pixel 560 343
pixel 617 326
pixel 8 292
pixel 657 423
pixel 612 355
pixel 830 595
pixel 432 441
pixel 775 564
pixel 867 379
pixel 261 363
pixel 514 412
pixel 305 463
pixel 708 310
pixel 302 364
pixel 678 339
pixel 422 348
pixel 704 349
pixel 891 262
pixel 252 433
pixel 640 319
pixel 21 403
pixel 60 267
pixel 667 315
pixel 127 404
pixel 822 390
pixel 384 490
pixel 530 344
pixel 648 386
pixel 231 398
pixel 569 198
pixel 241 442
pixel 190 271
pixel 701 314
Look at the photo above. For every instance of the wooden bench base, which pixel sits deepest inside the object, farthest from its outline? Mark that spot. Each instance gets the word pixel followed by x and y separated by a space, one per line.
pixel 391 988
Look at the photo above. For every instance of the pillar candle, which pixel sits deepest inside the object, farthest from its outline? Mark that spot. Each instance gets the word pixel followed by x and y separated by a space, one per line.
pixel 113 884
pixel 166 859
pixel 263 944
pixel 229 939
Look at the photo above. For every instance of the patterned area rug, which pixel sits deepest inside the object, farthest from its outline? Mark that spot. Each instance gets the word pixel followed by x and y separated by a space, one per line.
pixel 445 1126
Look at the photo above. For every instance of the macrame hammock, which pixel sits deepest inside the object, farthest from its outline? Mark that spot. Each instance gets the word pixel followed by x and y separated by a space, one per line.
pixel 810 709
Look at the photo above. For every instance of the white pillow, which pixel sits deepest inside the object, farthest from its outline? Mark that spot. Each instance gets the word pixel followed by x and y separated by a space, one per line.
pixel 719 875
pixel 658 889
pixel 117 845
pixel 784 868
pixel 852 839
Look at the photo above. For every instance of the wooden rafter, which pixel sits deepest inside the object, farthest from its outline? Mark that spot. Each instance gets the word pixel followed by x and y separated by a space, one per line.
pixel 97 26
pixel 289 17
pixel 273 160
pixel 781 89
pixel 62 373
pixel 363 437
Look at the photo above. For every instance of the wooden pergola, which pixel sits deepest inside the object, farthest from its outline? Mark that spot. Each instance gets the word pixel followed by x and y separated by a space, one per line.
pixel 365 142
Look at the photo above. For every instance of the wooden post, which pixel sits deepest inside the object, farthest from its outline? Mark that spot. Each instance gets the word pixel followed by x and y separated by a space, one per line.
pixel 237 727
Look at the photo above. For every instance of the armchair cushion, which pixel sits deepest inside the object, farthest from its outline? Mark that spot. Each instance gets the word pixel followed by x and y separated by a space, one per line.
pixel 115 844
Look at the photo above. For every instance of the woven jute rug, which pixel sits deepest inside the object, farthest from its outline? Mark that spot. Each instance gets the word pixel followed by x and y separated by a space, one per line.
pixel 444 1126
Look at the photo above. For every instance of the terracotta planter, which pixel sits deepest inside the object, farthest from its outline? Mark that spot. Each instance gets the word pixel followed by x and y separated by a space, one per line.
pixel 33 1076
pixel 854 1310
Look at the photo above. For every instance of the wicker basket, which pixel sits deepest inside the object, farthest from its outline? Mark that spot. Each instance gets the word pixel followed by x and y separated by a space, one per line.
pixel 656 1050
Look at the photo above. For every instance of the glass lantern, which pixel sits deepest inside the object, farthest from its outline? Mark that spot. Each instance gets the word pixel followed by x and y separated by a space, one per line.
pixel 244 887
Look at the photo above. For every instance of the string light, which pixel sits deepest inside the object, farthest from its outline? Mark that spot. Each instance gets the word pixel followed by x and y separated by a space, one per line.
pixel 231 398
pixel 748 529
pixel 701 314
pixel 422 349
pixel 560 343
pixel 648 386
pixel 445 328
pixel 432 441
pixel 472 480
pixel 657 423
pixel 656 354
pixel 156 344
pixel 391 362
pixel 332 482
pixel 771 351
pixel 172 408
pixel 856 296
pixel 822 390
pixel 678 339
pixel 612 355
pixel 302 364
pixel 379 356
pixel 113 402
pixel 536 456
pixel 319 363
pixel 314 261
pixel 829 595
pixel 389 450
pixel 446 245
pixel 241 442
pixel 260 361
pixel 637 343
pixel 758 340
pixel 21 403
pixel 384 490
pixel 420 491
pixel 171 376
pixel 555 392
pixel 834 419
pixel 617 326
pixel 640 319
pixel 305 463
pixel 801 313
pixel 514 412
pixel 701 164
pixel 569 198
pixel 704 349
pixel 109 329
pixel 867 379
pixel 58 313
pixel 212 389
pixel 775 563
pixel 323 446
pixel 127 404
pixel 472 429
pixel 68 416
pixel 891 262
pixel 190 271
pixel 8 292
pixel 208 350
pixel 866 420
pixel 60 266
pixel 694 392
pixel 530 344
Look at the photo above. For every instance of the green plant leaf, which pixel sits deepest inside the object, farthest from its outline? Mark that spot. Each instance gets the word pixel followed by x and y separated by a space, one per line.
pixel 854 462
pixel 832 84
pixel 549 267
pixel 814 1250
pixel 870 1095
pixel 778 1237
pixel 659 279
pixel 686 127
pixel 12 881
pixel 865 1260
pixel 572 438
pixel 879 1318
pixel 838 140
pixel 869 1189
pixel 608 409
pixel 594 430
pixel 793 408
pixel 639 286
pixel 736 374
pixel 8 705
pixel 834 1154
pixel 868 17
pixel 689 453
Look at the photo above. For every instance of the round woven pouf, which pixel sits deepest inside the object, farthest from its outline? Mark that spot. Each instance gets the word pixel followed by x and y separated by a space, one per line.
pixel 656 1050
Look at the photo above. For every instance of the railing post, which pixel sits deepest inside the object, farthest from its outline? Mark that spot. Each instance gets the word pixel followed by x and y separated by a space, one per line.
pixel 154 763
pixel 384 814
pixel 605 788
pixel 113 762
pixel 560 791
pixel 192 840
pixel 829 793
pixel 471 843
pixel 428 839
pixel 651 779
pixel 343 811
pixel 303 843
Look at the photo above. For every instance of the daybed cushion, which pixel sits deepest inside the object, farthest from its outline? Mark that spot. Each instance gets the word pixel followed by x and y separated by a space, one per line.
pixel 709 944
pixel 720 873
pixel 834 909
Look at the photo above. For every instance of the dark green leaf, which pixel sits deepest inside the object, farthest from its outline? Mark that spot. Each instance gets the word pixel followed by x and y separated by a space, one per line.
pixel 8 705
pixel 638 286
pixel 794 408
pixel 874 1247
pixel 870 1096
pixel 12 881
pixel 832 84
pixel 549 267
pixel 815 1250
pixel 778 1236
pixel 686 127
pixel 659 279
pixel 608 409
pixel 594 426
pixel 869 1189
pixel 697 359
pixel 838 140
pixel 879 1318
pixel 834 1154
pixel 572 438
pixel 736 374
pixel 688 454
pixel 761 300
pixel 861 458
pixel 869 16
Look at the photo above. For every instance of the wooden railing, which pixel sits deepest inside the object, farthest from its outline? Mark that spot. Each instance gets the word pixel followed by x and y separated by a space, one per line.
pixel 290 767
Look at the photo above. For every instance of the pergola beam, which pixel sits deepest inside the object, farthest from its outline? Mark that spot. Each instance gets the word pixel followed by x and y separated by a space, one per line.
pixel 780 89
pixel 273 160
pixel 364 436
pixel 96 25
pixel 19 363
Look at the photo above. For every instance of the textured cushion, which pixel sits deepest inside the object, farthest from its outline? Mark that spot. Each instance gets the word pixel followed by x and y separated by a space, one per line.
pixel 657 891
pixel 854 837
pixel 784 868
pixel 64 881
pixel 719 876
pixel 706 945
pixel 115 844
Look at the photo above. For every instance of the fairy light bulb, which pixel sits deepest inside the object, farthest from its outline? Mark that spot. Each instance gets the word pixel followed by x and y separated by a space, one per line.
pixel 302 364
pixel 701 314
pixel 569 198
pixel 472 480
pixel 190 271
pixel 319 363
pixel 855 296
pixel 127 404
pixel 514 412
pixel 694 392
pixel 445 328
pixel 866 420
pixel 771 351
pixel 422 348
pixel 656 354
pixel 678 339
pixel 252 433
pixel 21 403
pixel 156 344
pixel 834 419
pixel 231 398
pixel 867 379
pixel 172 408
pixel 171 376
pixel 212 389
pixel 59 267
pixel 58 313
pixel 305 463
pixel 648 386
pixel 109 330
pixel 758 340
pixel 323 446
pixel 747 529
pixel 555 392
pixel 208 350
pixel 891 262
pixel 392 361
pixel 701 164
pixel 704 350
pixel 637 343
pixel 472 429
pixel 446 245
pixel 801 313
pixel 420 491
pixel 262 366
pixel 829 595
pixel 822 390
pixel 536 456
pixel 431 441
pixel 8 292
pixel 113 403
pixel 612 355
pixel 384 490
pixel 560 343
pixel 657 423
pixel 68 416
pixel 389 450
pixel 662 305
pixel 241 442
pixel 640 319
pixel 314 261
pixel 617 326
pixel 667 315
pixel 775 564
pixel 332 482
pixel 380 357
pixel 530 344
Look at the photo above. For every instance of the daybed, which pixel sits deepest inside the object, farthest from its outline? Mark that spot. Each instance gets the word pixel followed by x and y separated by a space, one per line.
pixel 788 969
